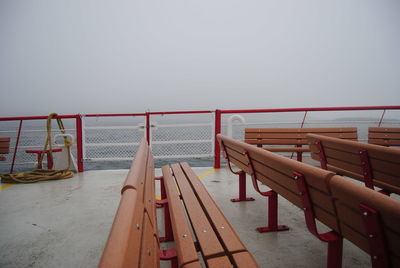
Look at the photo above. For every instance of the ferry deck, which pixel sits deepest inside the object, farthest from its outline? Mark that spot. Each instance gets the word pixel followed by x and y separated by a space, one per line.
pixel 66 223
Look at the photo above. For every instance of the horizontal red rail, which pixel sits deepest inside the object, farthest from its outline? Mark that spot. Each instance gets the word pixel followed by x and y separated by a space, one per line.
pixel 113 115
pixel 36 117
pixel 351 108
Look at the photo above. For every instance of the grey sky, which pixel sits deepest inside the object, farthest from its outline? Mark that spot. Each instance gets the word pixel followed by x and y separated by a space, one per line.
pixel 76 56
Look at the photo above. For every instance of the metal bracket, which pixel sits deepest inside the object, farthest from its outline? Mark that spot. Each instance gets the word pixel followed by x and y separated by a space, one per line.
pixel 334 240
pixel 376 237
pixel 321 153
pixel 272 201
pixel 242 178
pixel 367 171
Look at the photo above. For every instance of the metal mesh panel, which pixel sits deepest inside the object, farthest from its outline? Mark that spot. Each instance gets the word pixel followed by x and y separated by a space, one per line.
pixel 112 139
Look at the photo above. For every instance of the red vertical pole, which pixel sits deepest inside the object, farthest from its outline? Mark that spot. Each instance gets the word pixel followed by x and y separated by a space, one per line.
pixel 217 149
pixel 16 146
pixel 79 142
pixel 148 127
pixel 242 188
pixel 380 121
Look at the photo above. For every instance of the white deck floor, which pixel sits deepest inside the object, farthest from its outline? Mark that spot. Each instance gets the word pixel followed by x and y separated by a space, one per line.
pixel 66 223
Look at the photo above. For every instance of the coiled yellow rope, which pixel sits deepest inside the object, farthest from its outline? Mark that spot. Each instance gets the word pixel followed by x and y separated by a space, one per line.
pixel 44 174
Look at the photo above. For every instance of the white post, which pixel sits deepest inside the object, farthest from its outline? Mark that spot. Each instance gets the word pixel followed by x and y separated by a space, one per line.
pixel 231 119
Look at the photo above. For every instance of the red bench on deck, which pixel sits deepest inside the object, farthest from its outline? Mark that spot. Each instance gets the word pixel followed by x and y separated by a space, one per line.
pixel 4 147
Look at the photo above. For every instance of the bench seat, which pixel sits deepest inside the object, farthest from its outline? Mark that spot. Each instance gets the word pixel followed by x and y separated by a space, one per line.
pixel 215 238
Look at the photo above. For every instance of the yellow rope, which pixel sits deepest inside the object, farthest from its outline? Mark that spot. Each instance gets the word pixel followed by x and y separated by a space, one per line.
pixel 44 174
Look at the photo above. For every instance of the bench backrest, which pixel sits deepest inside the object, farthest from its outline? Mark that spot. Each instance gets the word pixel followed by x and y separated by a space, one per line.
pixel 294 136
pixel 357 224
pixel 351 158
pixel 385 136
pixel 4 146
pixel 278 173
pixel 133 240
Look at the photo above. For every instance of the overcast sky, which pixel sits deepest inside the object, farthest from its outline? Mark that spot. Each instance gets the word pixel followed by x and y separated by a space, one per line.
pixel 76 56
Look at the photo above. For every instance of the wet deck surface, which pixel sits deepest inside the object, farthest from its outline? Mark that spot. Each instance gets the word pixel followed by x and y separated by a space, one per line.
pixel 66 223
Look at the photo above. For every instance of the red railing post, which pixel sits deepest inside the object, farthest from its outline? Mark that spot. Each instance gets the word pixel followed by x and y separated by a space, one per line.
pixel 217 148
pixel 79 142
pixel 148 127
pixel 16 146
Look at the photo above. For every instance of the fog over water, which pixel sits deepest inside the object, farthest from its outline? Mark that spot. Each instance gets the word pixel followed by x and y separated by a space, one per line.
pixel 131 56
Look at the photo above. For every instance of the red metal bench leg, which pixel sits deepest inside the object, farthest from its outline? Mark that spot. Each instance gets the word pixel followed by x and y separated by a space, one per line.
pixel 335 249
pixel 169 255
pixel 39 155
pixel 242 188
pixel 272 214
pixel 49 160
pixel 167 219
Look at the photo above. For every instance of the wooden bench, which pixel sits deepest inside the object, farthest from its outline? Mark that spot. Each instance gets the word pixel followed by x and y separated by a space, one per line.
pixel 4 147
pixel 191 219
pixel 384 136
pixel 319 193
pixel 293 139
pixel 372 164
pixel 133 239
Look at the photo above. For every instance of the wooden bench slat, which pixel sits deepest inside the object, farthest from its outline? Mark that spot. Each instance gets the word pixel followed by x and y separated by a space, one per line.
pixel 149 197
pixel 223 228
pixel 388 135
pixel 136 174
pixel 295 136
pixel 205 234
pixel 219 261
pixel 123 245
pixel 149 246
pixel 187 253
pixel 304 130
pixel 243 259
pixel 4 145
pixel 277 142
pixel 287 149
pixel 384 129
pixel 191 265
pixel 384 142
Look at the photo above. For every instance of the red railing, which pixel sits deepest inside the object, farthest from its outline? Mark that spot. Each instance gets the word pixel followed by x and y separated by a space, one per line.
pixel 218 114
pixel 218 117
